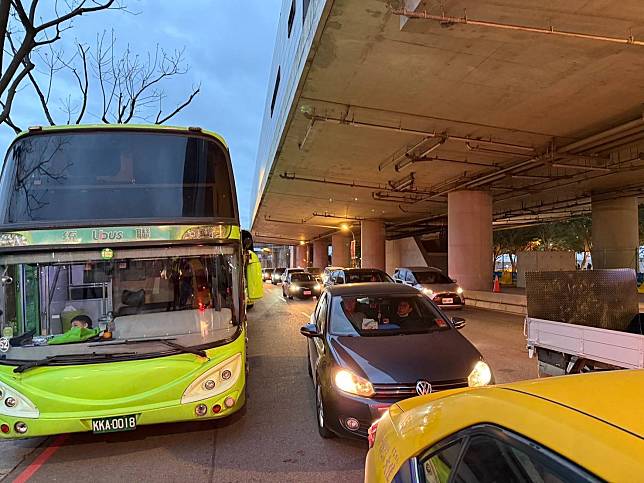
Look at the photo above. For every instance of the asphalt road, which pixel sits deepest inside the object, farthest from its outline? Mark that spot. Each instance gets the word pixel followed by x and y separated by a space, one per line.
pixel 276 439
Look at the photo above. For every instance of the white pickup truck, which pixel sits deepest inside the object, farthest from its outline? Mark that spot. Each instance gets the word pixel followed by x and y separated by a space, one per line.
pixel 567 349
pixel 586 320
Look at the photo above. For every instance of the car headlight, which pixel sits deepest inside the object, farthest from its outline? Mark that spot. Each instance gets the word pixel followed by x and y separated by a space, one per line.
pixel 317 286
pixel 481 375
pixel 214 381
pixel 347 381
pixel 428 291
pixel 459 290
pixel 294 287
pixel 12 403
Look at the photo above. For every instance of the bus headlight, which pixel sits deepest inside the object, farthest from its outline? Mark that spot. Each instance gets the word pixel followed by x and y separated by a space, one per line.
pixel 15 404
pixel 214 381
pixel 481 375
pixel 347 381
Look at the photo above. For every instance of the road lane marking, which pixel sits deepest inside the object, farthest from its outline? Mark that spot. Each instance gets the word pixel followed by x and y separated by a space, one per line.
pixel 308 316
pixel 42 458
pixel 282 299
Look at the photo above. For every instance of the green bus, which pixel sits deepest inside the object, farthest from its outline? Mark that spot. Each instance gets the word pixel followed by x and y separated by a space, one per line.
pixel 124 280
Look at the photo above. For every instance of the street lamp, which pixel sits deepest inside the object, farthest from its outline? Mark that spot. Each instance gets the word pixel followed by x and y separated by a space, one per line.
pixel 346 228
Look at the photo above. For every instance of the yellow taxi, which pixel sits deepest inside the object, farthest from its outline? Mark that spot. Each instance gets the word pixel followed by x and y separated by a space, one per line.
pixel 587 427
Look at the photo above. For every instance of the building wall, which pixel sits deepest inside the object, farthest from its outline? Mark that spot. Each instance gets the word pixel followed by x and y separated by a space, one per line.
pixel 289 59
pixel 541 262
pixel 403 253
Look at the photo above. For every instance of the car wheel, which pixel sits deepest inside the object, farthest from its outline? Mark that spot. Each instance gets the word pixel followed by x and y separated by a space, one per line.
pixel 319 407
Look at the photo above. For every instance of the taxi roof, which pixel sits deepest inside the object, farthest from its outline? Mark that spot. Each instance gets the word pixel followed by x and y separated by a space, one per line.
pixel 612 396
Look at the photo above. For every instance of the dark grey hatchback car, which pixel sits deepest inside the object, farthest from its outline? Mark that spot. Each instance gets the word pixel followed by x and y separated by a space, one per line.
pixel 371 345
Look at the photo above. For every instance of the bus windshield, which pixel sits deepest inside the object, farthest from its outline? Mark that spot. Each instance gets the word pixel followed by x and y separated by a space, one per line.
pixel 94 176
pixel 187 295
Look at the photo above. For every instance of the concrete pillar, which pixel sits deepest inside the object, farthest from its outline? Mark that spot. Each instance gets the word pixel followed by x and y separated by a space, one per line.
pixel 615 233
pixel 292 259
pixel 302 256
pixel 341 256
pixel 372 244
pixel 320 253
pixel 469 238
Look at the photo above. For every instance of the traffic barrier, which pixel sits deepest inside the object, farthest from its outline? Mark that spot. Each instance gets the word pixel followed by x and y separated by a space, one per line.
pixel 497 285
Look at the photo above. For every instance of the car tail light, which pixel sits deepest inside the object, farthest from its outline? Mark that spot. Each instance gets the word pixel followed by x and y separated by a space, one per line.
pixel 371 434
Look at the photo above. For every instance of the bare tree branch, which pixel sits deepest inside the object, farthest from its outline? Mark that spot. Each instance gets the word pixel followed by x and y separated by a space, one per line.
pixel 43 100
pixel 5 6
pixel 178 108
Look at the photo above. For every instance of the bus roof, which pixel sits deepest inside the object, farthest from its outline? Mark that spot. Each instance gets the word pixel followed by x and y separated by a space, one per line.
pixel 34 130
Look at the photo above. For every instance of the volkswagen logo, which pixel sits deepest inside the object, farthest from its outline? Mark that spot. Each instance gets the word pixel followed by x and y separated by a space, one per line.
pixel 423 387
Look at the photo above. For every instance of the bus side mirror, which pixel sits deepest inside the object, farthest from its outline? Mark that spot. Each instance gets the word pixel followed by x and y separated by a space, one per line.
pixel 247 240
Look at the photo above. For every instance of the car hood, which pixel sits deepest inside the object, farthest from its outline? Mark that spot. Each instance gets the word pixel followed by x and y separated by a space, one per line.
pixel 438 356
pixel 440 287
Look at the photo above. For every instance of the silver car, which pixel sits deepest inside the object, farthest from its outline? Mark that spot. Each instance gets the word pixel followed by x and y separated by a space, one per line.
pixel 443 291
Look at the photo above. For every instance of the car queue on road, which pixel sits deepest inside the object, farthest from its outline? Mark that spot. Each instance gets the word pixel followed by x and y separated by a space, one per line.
pixel 388 365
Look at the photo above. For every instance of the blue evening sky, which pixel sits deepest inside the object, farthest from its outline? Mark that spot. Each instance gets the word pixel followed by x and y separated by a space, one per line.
pixel 228 46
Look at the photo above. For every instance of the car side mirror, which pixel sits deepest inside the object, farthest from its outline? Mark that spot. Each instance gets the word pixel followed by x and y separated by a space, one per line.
pixel 310 331
pixel 458 322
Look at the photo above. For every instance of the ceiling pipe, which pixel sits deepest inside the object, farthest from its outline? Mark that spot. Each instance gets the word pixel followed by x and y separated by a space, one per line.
pixel 526 165
pixel 493 152
pixel 448 20
pixel 408 159
pixel 292 222
pixel 397 159
pixel 581 167
pixel 429 134
pixel 351 184
pixel 444 160
pixel 330 215
pixel 596 139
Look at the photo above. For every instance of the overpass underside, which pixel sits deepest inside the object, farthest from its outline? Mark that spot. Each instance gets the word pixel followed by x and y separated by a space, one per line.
pixel 486 114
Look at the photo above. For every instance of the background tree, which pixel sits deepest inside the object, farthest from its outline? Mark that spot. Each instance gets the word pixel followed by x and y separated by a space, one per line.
pixel 24 32
pixel 112 85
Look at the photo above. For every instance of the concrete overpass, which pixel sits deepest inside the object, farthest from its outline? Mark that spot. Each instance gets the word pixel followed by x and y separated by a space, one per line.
pixel 409 122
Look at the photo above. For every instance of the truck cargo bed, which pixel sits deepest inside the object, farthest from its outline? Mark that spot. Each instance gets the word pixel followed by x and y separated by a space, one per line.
pixel 621 349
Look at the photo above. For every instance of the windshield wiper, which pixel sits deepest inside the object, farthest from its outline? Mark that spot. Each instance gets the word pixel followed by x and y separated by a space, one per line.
pixel 183 348
pixel 69 358
pixel 169 343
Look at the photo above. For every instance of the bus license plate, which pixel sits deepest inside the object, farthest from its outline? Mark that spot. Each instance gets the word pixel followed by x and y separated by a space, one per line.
pixel 448 301
pixel 113 424
pixel 307 292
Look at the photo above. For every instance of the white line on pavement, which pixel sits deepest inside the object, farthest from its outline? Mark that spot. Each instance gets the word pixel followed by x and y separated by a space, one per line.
pixel 308 316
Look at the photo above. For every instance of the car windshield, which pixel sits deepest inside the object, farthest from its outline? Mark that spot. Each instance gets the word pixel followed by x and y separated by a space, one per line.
pixel 188 295
pixel 431 278
pixel 363 276
pixel 302 277
pixel 279 271
pixel 376 315
pixel 314 271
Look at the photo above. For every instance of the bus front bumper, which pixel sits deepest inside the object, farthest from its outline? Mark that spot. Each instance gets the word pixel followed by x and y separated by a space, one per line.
pixel 216 407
